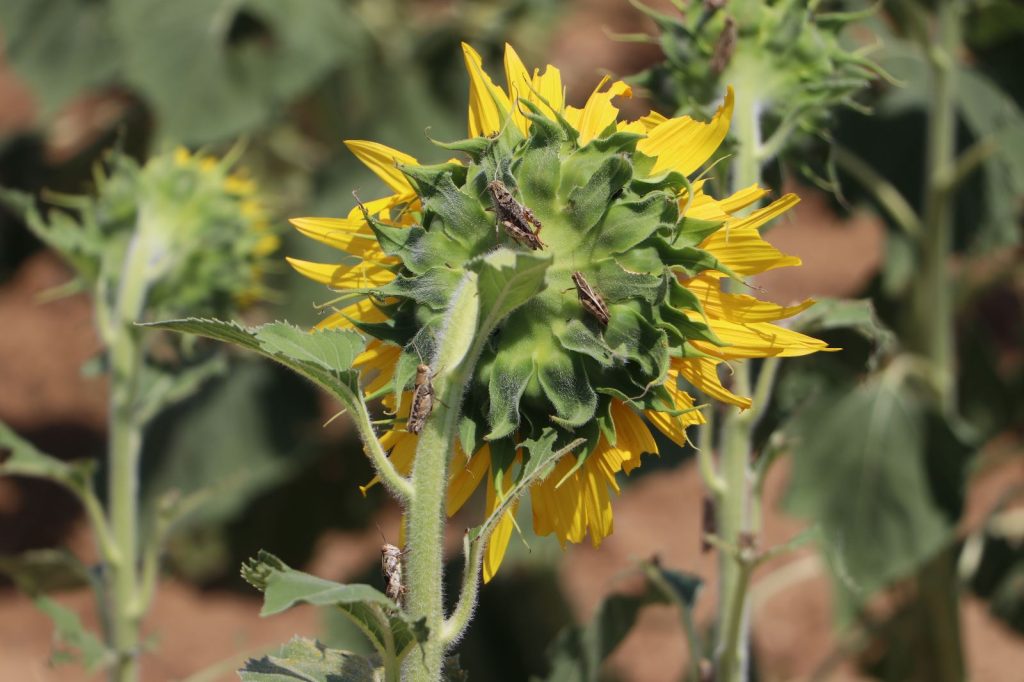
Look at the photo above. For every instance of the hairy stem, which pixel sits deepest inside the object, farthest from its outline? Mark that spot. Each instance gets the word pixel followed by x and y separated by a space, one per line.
pixel 126 359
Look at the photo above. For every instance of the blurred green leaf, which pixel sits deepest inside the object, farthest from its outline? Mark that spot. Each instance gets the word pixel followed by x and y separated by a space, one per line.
pixel 215 69
pixel 72 641
pixel 872 467
pixel 578 652
pixel 39 571
pixel 250 421
pixel 25 460
pixel 309 661
pixel 59 47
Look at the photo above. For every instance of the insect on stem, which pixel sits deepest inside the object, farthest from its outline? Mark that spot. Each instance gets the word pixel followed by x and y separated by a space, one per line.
pixel 422 400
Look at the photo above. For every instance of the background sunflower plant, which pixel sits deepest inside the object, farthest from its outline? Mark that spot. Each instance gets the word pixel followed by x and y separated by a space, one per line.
pixel 532 391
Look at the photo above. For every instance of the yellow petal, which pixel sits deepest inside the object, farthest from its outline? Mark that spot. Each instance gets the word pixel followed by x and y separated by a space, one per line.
pixel 335 232
pixel 519 86
pixel 465 476
pixel 381 207
pixel 702 373
pixel 598 503
pixel 758 340
pixel 743 198
pixel 549 93
pixel 488 105
pixel 739 308
pixel 558 510
pixel 403 449
pixel 363 310
pixel 674 426
pixel 382 160
pixel 632 437
pixel 599 112
pixel 644 124
pixel 502 533
pixel 683 144
pixel 361 275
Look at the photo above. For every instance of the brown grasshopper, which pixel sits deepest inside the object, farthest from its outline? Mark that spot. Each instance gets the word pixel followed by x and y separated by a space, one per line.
pixel 590 299
pixel 391 566
pixel 422 400
pixel 516 218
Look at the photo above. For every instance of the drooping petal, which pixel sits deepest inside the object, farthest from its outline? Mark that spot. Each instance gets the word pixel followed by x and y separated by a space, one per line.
pixel 632 437
pixel 739 308
pixel 361 275
pixel 403 448
pixel 757 340
pixel 683 144
pixel 378 360
pixel 599 112
pixel 382 160
pixel 465 476
pixel 739 245
pixel 502 533
pixel 702 373
pixel 488 104
pixel 363 310
pixel 674 426
pixel 557 510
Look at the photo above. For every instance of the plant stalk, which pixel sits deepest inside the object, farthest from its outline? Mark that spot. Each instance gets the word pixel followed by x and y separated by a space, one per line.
pixel 126 359
pixel 932 331
pixel 734 503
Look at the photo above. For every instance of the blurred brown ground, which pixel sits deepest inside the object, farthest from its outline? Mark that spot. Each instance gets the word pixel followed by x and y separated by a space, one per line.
pixel 44 346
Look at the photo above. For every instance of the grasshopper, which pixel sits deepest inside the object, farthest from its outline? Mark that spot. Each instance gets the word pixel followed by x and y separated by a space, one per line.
pixel 590 299
pixel 516 218
pixel 422 400
pixel 391 567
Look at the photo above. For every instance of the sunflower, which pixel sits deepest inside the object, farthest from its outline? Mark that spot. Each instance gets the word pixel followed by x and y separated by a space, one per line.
pixel 611 204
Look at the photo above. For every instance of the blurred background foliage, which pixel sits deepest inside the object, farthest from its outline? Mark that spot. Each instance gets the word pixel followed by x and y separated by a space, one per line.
pixel 293 78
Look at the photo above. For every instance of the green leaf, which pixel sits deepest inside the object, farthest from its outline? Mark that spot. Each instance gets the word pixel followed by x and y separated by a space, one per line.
pixel 233 65
pixel 160 389
pixel 39 571
pixel 506 280
pixel 25 460
pixel 331 349
pixel 304 660
pixel 69 632
pixel 862 470
pixel 578 652
pixel 371 610
pixel 60 48
pixel 323 357
pixel 543 458
pixel 831 314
